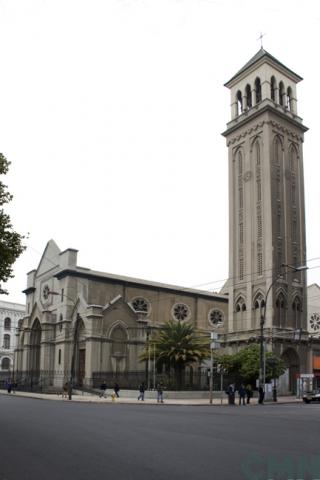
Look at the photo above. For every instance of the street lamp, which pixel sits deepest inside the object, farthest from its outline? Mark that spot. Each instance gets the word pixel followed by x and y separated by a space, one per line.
pixel 214 344
pixel 262 379
pixel 74 343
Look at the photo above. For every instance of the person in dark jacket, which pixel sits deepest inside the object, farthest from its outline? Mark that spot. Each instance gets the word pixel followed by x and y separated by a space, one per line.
pixel 261 395
pixel 231 394
pixel 103 388
pixel 142 389
pixel 116 389
pixel 242 394
pixel 249 392
pixel 160 392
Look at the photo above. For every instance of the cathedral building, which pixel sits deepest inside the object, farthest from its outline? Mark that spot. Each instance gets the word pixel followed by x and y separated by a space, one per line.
pixel 98 323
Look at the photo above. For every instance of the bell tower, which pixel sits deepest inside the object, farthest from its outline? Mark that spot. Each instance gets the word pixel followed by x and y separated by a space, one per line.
pixel 266 204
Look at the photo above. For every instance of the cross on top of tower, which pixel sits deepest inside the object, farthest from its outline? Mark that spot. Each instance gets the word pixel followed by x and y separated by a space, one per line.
pixel 261 37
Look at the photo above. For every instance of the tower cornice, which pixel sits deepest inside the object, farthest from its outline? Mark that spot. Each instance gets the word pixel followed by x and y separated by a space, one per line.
pixel 255 112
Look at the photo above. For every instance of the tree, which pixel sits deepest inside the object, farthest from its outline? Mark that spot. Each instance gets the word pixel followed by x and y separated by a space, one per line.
pixel 177 345
pixel 11 242
pixel 244 365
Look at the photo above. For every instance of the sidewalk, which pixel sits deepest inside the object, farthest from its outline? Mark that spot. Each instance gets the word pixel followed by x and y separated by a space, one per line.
pixel 149 401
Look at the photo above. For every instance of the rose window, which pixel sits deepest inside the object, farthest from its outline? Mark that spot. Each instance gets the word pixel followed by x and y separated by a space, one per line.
pixel 315 321
pixel 216 317
pixel 140 305
pixel 181 311
pixel 46 292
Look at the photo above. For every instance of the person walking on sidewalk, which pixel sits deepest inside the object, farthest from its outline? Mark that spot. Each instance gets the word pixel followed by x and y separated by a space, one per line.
pixel 249 392
pixel 103 388
pixel 116 389
pixel 231 394
pixel 142 389
pixel 160 392
pixel 261 395
pixel 242 394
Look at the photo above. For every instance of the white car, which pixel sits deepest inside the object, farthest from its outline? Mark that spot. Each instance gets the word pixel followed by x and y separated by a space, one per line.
pixel 311 396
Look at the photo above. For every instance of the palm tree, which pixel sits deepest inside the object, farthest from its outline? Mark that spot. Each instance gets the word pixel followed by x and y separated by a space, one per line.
pixel 177 345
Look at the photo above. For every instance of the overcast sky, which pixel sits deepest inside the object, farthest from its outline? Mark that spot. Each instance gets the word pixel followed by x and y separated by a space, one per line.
pixel 112 113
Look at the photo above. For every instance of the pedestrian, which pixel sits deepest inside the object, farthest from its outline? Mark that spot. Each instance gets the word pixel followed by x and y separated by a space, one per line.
pixel 231 394
pixel 249 392
pixel 9 386
pixel 242 394
pixel 261 395
pixel 160 392
pixel 65 390
pixel 142 389
pixel 103 388
pixel 116 389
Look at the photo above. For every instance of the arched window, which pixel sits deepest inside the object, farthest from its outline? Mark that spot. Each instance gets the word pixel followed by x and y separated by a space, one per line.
pixel 281 93
pixel 293 158
pixel 281 310
pixel 273 88
pixel 119 341
pixel 258 89
pixel 277 152
pixel 297 309
pixel 289 99
pixel 5 364
pixel 7 323
pixel 240 305
pixel 240 179
pixel 6 341
pixel 249 96
pixel 296 305
pixel 239 102
pixel 240 165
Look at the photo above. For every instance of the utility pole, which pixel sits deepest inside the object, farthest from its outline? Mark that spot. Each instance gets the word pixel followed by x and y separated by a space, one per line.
pixel 214 345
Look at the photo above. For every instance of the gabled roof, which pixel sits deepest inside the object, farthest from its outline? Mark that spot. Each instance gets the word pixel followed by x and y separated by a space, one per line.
pixel 263 54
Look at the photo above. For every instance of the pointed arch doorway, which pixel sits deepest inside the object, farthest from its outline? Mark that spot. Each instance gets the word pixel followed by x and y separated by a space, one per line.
pixel 34 358
pixel 79 354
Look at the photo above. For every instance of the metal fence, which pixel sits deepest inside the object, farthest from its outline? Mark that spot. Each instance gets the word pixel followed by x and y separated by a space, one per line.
pixel 48 380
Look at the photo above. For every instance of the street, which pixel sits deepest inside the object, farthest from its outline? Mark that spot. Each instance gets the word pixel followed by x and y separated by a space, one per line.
pixel 59 440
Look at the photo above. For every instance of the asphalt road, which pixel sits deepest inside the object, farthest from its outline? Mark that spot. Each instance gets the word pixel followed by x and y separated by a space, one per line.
pixel 44 440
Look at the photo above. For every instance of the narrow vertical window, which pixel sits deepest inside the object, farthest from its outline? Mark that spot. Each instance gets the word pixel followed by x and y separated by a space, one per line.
pixel 289 99
pixel 249 96
pixel 59 357
pixel 239 103
pixel 62 294
pixel 273 89
pixel 241 268
pixel 259 226
pixel 281 93
pixel 259 264
pixel 258 89
pixel 241 233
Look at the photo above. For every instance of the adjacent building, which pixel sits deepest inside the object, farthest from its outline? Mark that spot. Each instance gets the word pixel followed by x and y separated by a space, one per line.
pixel 11 315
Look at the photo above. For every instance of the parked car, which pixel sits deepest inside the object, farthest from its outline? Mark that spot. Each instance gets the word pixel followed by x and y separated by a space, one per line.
pixel 311 396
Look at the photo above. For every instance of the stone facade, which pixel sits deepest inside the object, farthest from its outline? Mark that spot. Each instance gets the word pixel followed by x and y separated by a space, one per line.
pixel 99 319
pixel 11 315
